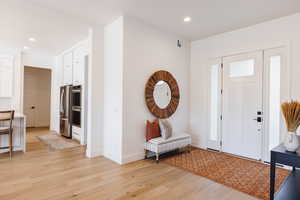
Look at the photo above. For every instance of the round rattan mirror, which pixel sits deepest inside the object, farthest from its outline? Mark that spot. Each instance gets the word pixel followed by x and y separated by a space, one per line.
pixel 162 94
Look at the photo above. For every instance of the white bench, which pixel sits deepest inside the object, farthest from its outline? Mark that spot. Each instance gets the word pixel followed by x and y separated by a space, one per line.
pixel 160 145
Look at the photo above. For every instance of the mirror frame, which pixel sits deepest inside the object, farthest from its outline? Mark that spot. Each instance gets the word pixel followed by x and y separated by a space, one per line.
pixel 175 96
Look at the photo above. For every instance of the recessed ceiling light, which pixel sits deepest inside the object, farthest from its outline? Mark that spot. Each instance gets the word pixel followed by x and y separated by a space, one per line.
pixel 26 48
pixel 187 19
pixel 32 39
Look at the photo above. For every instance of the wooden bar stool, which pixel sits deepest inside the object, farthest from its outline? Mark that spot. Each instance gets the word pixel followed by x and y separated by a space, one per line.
pixel 7 130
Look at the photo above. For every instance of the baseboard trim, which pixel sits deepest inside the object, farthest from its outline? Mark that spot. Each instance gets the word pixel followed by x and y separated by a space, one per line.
pixel 196 142
pixel 112 158
pixel 133 157
pixel 93 154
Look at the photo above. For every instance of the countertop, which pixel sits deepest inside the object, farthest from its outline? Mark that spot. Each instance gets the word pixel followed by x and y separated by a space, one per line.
pixel 19 115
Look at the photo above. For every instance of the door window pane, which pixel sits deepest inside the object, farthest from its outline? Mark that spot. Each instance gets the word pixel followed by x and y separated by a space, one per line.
pixel 242 68
pixel 274 101
pixel 214 96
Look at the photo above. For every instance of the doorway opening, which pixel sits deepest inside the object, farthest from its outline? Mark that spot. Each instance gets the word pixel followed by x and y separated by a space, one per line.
pixel 246 91
pixel 36 106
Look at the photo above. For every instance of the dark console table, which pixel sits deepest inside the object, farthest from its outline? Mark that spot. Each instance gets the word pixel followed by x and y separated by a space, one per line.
pixel 290 189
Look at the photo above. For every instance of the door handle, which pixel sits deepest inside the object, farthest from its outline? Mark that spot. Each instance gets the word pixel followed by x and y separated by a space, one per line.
pixel 258 119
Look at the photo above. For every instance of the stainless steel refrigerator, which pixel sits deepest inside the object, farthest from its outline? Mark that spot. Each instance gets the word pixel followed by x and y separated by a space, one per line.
pixel 65 111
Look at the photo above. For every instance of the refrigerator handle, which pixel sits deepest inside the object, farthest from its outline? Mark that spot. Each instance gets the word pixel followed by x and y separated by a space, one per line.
pixel 67 102
pixel 62 101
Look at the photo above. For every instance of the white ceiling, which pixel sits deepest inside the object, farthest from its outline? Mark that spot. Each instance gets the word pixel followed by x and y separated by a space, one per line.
pixel 209 17
pixel 58 24
pixel 54 31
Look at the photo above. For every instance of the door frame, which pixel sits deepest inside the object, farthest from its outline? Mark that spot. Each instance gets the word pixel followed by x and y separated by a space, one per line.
pixel 285 95
pixel 216 145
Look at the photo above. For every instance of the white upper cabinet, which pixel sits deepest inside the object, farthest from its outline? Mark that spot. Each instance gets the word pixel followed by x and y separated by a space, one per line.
pixel 74 63
pixel 68 68
pixel 78 65
pixel 6 76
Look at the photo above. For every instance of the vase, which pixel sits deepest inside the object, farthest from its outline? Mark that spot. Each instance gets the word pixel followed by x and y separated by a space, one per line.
pixel 291 142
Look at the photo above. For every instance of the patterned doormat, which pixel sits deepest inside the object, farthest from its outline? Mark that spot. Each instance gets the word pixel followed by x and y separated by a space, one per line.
pixel 247 176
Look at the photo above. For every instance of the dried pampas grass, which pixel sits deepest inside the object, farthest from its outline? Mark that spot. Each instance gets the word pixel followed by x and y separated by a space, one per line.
pixel 291 113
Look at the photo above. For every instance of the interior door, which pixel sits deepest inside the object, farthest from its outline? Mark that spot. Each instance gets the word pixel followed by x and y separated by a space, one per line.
pixel 30 98
pixel 29 111
pixel 242 105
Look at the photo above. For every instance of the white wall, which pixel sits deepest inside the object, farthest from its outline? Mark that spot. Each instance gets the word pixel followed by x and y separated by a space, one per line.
pixel 133 51
pixel 283 31
pixel 39 60
pixel 96 92
pixel 113 90
pixel 56 82
pixel 147 50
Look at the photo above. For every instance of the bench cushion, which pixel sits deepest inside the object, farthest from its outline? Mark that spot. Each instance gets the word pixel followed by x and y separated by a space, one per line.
pixel 161 140
pixel 160 145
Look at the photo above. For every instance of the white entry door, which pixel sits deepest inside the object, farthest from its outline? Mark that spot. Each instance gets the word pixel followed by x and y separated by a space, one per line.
pixel 242 105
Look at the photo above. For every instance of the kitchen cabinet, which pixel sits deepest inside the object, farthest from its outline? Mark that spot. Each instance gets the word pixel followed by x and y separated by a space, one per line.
pixel 74 66
pixel 68 68
pixel 6 76
pixel 78 65
pixel 72 69
pixel 76 133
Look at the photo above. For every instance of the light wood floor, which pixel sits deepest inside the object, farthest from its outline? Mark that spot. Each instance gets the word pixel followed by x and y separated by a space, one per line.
pixel 68 174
